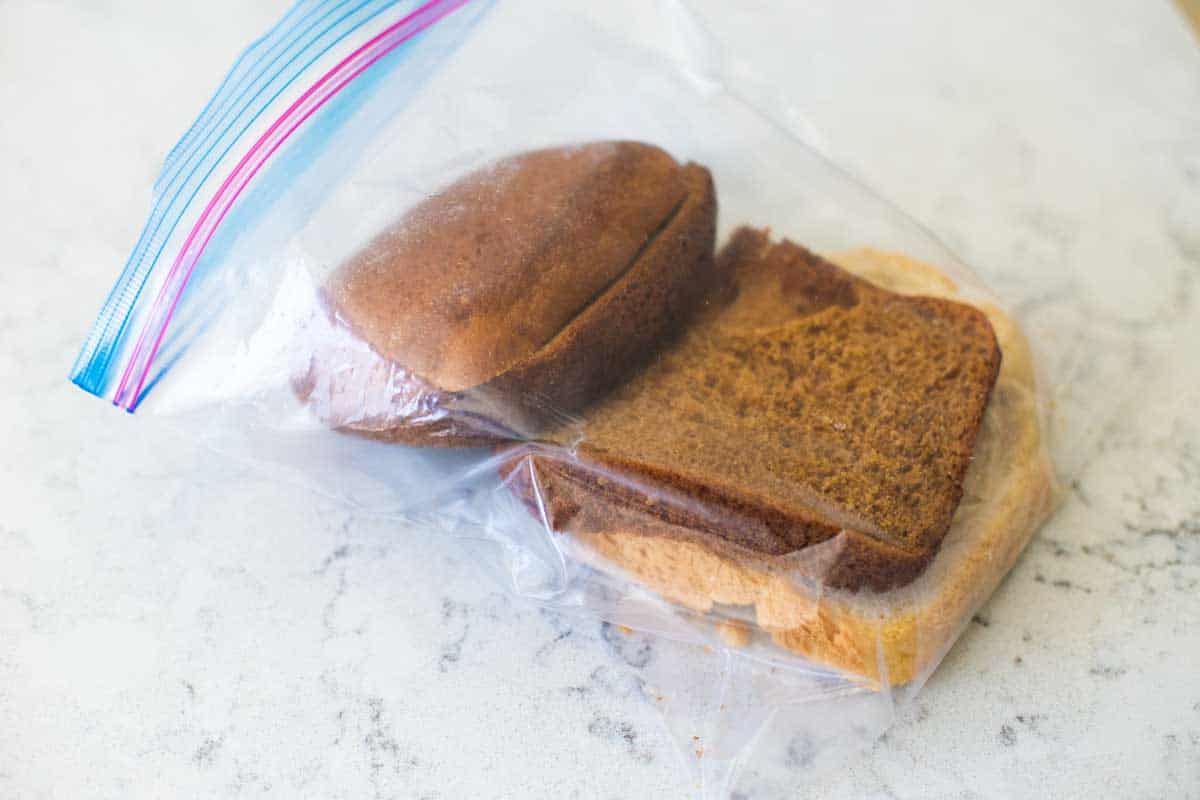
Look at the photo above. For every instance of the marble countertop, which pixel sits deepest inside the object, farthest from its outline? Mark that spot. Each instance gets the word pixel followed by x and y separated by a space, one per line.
pixel 229 637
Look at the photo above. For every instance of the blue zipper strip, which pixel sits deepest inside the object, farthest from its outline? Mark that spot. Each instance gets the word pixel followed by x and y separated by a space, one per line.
pixel 91 370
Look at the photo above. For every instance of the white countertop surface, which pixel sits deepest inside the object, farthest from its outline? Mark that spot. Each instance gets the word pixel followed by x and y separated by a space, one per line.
pixel 229 637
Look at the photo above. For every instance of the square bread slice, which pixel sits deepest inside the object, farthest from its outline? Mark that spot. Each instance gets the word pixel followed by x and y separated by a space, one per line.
pixel 842 550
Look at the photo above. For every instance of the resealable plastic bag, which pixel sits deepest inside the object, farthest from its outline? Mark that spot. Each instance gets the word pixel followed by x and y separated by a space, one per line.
pixel 264 308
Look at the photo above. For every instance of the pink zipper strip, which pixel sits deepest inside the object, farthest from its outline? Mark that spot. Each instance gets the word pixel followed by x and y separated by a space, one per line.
pixel 150 339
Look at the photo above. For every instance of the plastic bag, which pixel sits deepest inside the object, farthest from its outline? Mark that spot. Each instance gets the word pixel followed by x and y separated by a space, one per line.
pixel 346 117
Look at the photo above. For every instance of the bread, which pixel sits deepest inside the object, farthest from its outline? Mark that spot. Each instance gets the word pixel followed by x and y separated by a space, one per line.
pixel 884 634
pixel 514 296
pixel 806 404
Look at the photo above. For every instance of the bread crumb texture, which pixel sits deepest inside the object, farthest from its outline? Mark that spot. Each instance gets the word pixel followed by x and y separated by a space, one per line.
pixel 935 489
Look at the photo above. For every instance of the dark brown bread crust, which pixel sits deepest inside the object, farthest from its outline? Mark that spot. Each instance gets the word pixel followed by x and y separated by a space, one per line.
pixel 641 311
pixel 810 406
pixel 526 289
